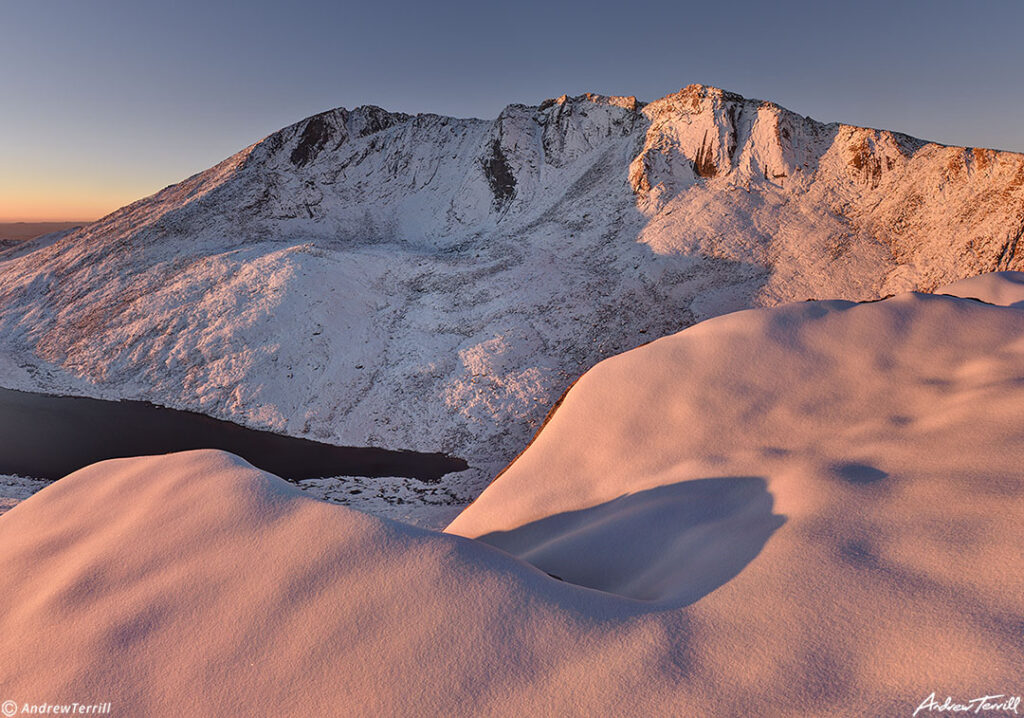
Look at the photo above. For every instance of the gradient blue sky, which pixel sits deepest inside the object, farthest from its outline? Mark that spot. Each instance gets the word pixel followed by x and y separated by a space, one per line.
pixel 105 102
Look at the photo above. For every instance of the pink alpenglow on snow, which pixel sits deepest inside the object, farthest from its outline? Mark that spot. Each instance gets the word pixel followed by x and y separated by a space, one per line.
pixel 372 278
pixel 1002 288
pixel 808 510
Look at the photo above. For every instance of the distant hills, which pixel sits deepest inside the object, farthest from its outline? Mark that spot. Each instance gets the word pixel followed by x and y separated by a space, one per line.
pixel 20 231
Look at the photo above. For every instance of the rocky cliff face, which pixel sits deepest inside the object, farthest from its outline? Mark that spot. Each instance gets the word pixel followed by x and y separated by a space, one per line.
pixel 435 283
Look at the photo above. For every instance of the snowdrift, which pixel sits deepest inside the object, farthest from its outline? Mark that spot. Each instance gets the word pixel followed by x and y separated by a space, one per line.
pixel 811 510
pixel 834 410
pixel 1001 288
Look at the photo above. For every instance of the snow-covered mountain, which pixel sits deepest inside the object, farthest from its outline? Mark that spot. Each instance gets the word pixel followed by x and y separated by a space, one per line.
pixel 368 277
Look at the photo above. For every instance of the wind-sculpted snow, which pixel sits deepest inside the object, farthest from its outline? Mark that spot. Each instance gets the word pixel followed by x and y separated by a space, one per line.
pixel 811 510
pixel 1005 289
pixel 900 401
pixel 425 282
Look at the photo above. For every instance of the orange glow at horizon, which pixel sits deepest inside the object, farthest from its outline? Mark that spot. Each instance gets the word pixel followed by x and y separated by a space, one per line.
pixel 57 206
pixel 59 202
pixel 70 190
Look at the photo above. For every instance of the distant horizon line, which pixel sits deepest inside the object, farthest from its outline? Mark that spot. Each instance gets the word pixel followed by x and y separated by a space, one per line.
pixel 5 221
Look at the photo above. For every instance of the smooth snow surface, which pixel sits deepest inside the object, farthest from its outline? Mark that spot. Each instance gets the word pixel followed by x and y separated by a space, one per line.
pixel 194 584
pixel 810 510
pixel 667 468
pixel 369 278
pixel 1005 289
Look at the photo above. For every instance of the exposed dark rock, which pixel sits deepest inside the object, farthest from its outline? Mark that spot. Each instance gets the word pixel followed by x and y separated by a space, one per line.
pixel 1010 249
pixel 499 175
pixel 867 162
pixel 733 132
pixel 315 135
pixel 376 119
pixel 704 164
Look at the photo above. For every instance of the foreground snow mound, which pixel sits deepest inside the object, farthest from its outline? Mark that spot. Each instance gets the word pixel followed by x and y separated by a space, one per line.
pixel 808 511
pixel 870 456
pixel 194 584
pixel 1005 289
pixel 373 278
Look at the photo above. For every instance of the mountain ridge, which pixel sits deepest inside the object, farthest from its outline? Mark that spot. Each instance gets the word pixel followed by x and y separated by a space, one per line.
pixel 380 278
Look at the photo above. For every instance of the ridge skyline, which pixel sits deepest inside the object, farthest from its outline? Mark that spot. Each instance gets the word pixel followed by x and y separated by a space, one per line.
pixel 565 96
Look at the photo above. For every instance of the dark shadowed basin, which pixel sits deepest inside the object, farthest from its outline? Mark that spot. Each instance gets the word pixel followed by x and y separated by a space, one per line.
pixel 48 437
